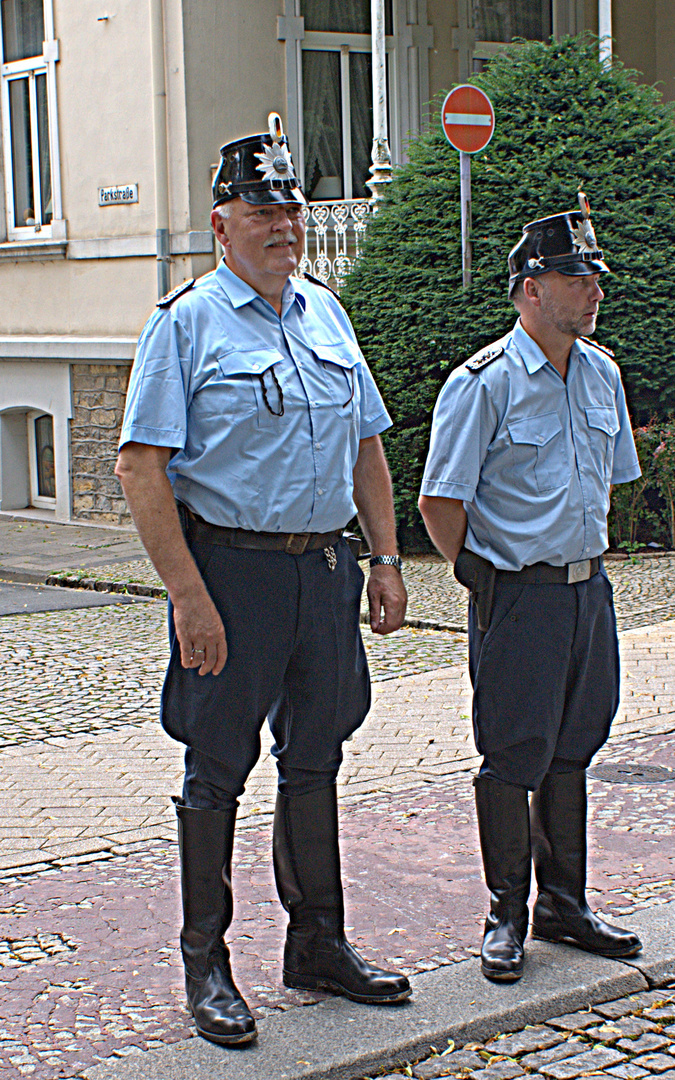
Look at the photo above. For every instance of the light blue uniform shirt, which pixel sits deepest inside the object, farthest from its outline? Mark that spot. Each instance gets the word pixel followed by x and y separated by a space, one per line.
pixel 533 456
pixel 196 387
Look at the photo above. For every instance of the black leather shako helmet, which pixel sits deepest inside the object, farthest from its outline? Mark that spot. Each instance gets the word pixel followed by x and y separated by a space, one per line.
pixel 258 169
pixel 563 242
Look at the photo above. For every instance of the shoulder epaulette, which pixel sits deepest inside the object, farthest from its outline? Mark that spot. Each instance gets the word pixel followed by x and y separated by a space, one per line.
pixel 602 348
pixel 315 281
pixel 481 359
pixel 168 300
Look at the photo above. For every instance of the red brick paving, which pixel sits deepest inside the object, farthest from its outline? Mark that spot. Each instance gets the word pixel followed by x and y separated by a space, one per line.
pixel 414 895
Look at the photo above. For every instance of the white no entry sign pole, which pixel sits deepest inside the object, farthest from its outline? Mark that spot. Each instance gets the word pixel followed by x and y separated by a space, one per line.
pixel 465 203
pixel 468 121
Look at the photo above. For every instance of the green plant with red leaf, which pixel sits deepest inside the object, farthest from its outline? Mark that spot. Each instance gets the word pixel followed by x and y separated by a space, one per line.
pixel 629 507
pixel 664 473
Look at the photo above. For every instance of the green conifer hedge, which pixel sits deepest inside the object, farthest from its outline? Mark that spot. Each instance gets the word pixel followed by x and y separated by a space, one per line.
pixel 563 123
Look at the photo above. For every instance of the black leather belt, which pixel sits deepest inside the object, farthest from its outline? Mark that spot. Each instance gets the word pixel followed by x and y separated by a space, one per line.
pixel 479 576
pixel 544 574
pixel 291 543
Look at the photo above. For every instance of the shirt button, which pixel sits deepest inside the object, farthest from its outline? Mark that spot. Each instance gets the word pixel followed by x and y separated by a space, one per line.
pixel 318 445
pixel 320 491
pixel 314 404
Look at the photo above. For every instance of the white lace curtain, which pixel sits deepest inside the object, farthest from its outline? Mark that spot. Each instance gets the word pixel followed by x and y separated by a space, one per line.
pixel 322 98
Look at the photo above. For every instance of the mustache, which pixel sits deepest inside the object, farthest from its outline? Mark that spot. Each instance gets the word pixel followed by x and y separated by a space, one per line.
pixel 279 241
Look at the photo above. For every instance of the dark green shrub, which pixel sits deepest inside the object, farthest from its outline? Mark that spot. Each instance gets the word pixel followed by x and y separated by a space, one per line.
pixel 563 122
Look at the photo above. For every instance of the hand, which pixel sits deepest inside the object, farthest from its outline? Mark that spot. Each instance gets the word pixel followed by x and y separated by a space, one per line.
pixel 200 633
pixel 387 592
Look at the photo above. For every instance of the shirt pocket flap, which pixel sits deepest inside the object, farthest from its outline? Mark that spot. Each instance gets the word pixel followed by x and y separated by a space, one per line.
pixel 248 361
pixel 343 355
pixel 603 417
pixel 535 430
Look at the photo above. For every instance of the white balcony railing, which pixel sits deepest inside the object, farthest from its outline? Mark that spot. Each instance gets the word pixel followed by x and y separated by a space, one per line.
pixel 335 232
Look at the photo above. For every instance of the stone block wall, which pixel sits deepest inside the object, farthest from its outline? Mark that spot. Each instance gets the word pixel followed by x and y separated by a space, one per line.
pixel 98 394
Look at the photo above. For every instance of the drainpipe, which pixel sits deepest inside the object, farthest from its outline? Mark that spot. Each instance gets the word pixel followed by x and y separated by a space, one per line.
pixel 380 170
pixel 160 148
pixel 605 32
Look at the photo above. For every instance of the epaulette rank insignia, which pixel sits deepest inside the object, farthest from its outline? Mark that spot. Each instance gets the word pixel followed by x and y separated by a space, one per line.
pixel 483 358
pixel 168 300
pixel 602 348
pixel 316 281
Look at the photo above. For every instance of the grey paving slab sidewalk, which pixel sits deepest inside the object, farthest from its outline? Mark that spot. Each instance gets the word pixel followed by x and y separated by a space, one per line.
pixel 31 550
pixel 18 598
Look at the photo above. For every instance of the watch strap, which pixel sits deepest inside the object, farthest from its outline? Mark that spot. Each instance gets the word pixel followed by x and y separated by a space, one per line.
pixel 387 560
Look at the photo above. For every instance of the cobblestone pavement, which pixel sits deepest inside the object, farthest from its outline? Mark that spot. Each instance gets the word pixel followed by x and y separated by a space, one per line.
pixel 90 908
pixel 644 588
pixel 90 899
pixel 632 1038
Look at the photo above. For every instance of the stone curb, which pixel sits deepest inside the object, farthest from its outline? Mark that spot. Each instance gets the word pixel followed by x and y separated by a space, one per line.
pixel 159 593
pixel 338 1040
pixel 130 588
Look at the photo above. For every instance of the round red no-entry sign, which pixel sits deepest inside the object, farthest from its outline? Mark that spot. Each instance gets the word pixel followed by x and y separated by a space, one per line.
pixel 468 119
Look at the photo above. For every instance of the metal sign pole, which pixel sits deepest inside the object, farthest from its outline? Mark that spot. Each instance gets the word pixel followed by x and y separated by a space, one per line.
pixel 465 201
pixel 468 121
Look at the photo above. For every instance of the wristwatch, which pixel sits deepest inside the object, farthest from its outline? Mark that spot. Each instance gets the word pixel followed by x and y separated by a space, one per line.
pixel 387 560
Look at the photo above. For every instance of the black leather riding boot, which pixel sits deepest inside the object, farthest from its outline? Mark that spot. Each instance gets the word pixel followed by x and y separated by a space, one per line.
pixel 504 828
pixel 317 955
pixel 205 839
pixel 561 913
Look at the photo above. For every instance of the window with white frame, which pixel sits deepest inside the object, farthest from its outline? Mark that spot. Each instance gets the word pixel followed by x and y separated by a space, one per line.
pixel 485 26
pixel 28 106
pixel 41 459
pixel 497 22
pixel 337 97
pixel 330 88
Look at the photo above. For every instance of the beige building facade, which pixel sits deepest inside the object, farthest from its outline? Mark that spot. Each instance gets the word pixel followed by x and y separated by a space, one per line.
pixel 111 116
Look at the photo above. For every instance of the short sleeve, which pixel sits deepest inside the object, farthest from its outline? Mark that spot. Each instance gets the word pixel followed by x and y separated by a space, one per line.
pixel 463 426
pixel 156 405
pixel 374 417
pixel 626 465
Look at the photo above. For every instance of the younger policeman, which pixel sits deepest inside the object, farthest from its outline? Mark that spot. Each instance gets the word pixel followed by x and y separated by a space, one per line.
pixel 527 438
pixel 251 407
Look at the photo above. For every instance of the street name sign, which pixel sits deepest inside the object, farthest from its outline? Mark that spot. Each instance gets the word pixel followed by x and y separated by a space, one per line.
pixel 120 193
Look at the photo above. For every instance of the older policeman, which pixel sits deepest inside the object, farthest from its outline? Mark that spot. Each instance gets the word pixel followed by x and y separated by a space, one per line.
pixel 527 438
pixel 251 438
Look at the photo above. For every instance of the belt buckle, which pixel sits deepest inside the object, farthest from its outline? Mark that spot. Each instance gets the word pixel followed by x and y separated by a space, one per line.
pixel 578 571
pixel 296 543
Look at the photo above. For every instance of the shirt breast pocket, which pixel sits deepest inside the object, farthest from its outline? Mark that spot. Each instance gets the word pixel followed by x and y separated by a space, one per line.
pixel 338 366
pixel 603 427
pixel 539 452
pixel 252 385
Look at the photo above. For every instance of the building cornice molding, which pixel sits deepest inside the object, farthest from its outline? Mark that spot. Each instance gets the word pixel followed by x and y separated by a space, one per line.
pixel 75 350
pixel 106 247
